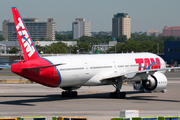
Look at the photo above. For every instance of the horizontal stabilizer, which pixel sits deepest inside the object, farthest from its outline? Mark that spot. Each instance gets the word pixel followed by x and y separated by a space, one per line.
pixel 43 66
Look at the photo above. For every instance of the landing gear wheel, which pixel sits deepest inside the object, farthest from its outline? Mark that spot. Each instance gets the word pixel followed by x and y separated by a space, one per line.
pixel 142 89
pixel 69 94
pixel 117 83
pixel 118 95
pixel 163 91
pixel 123 94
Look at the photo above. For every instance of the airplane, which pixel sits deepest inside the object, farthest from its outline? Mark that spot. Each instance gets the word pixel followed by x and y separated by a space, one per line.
pixel 7 65
pixel 4 66
pixel 71 72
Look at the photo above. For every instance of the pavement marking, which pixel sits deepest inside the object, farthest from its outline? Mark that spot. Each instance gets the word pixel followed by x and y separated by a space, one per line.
pixel 93 91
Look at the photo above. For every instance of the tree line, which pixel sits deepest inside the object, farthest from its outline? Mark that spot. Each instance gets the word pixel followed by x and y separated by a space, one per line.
pixel 137 43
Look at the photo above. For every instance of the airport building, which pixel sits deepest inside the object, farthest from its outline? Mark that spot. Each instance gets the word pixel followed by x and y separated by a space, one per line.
pixel 10 44
pixel 36 29
pixel 171 31
pixel 121 25
pixel 46 43
pixel 172 52
pixel 81 27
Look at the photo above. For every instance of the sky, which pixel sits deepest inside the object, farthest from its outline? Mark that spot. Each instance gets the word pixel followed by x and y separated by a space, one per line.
pixel 145 14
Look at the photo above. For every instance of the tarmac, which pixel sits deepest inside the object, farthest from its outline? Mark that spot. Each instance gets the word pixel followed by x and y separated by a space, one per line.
pixel 92 102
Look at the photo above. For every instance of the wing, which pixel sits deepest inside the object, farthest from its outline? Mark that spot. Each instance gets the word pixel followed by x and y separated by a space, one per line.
pixel 132 74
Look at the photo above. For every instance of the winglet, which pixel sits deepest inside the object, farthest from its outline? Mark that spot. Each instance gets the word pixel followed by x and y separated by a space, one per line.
pixel 27 45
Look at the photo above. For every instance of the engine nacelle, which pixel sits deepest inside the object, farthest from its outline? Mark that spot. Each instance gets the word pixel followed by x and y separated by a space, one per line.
pixel 156 82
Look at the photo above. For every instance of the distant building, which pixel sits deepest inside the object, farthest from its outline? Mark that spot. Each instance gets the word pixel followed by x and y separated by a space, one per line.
pixel 44 43
pixel 172 52
pixel 101 33
pixel 171 31
pixel 103 47
pixel 36 29
pixel 81 27
pixel 121 25
pixel 153 33
pixel 10 44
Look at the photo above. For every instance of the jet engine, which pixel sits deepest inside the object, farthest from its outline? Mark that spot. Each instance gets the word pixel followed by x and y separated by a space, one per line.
pixel 156 82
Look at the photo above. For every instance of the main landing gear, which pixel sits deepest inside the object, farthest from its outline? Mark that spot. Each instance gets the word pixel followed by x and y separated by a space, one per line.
pixel 69 93
pixel 117 84
pixel 117 94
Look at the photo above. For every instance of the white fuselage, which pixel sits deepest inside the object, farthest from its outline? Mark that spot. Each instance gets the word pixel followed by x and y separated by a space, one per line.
pixel 82 69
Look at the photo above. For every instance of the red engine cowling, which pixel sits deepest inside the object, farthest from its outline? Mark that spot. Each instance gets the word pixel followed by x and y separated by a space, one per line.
pixel 156 82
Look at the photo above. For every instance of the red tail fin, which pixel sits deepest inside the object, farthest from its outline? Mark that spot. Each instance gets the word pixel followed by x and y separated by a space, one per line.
pixel 27 45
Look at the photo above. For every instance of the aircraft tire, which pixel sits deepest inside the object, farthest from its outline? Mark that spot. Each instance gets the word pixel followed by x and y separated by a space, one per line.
pixel 69 94
pixel 63 94
pixel 123 94
pixel 75 93
pixel 142 89
pixel 117 95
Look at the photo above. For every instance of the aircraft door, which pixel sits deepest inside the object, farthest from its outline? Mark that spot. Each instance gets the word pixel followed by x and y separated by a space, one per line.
pixel 87 73
pixel 114 66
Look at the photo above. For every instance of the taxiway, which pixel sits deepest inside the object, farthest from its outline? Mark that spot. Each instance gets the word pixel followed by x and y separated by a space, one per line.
pixel 92 102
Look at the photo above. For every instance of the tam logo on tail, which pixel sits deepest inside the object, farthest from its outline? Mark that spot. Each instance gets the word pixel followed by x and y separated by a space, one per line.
pixel 26 41
pixel 27 46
